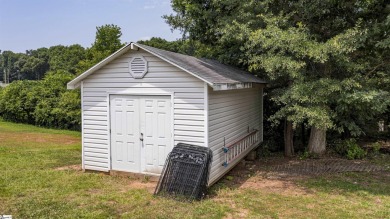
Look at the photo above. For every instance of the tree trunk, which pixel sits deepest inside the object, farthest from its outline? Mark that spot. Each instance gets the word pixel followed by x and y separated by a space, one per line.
pixel 317 141
pixel 303 134
pixel 288 139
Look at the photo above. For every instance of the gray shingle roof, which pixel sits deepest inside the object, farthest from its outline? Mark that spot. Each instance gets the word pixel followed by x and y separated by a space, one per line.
pixel 211 71
pixel 216 74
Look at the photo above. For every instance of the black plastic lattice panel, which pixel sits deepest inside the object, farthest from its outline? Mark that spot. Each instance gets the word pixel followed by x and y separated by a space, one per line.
pixel 185 172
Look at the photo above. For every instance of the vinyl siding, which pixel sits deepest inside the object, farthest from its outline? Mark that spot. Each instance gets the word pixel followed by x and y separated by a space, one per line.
pixel 162 77
pixel 230 114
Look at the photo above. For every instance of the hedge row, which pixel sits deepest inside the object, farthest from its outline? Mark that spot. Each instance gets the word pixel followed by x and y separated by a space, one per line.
pixel 44 102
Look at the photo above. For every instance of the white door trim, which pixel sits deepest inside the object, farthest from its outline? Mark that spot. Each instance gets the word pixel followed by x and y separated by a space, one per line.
pixel 171 94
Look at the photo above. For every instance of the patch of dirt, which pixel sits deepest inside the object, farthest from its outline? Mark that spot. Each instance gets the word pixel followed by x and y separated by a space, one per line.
pixel 149 186
pixel 40 138
pixel 94 191
pixel 273 185
pixel 280 175
pixel 136 183
pixel 76 167
pixel 265 181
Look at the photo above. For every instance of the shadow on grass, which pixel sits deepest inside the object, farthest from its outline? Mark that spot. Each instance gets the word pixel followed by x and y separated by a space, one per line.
pixel 261 172
pixel 376 183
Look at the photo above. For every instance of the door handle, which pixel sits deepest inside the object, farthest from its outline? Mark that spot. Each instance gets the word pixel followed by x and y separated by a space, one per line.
pixel 142 137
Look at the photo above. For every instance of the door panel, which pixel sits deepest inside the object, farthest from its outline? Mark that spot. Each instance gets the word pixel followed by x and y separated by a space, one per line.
pixel 125 143
pixel 155 123
pixel 131 116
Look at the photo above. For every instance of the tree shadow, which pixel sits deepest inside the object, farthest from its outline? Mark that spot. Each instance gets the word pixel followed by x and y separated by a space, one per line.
pixel 328 175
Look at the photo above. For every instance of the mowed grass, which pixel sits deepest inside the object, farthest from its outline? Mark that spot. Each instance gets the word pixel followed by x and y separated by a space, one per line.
pixel 35 183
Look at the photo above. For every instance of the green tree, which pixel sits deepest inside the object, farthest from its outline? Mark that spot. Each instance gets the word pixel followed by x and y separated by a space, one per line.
pixel 33 68
pixel 39 63
pixel 186 46
pixel 157 42
pixel 8 60
pixel 31 65
pixel 107 41
pixel 65 57
pixel 323 58
pixel 1 67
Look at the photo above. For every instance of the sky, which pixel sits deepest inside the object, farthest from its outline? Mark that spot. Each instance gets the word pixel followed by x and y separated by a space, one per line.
pixel 31 24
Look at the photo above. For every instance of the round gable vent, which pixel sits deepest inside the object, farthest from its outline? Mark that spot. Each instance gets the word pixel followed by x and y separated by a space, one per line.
pixel 138 67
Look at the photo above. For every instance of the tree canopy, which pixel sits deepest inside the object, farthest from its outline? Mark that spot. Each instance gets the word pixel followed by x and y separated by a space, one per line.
pixel 326 61
pixel 107 41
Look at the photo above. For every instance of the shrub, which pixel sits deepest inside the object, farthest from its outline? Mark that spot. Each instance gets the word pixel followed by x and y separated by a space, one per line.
pixel 67 111
pixel 376 147
pixel 16 102
pixel 350 149
pixel 263 150
pixel 356 152
pixel 44 103
pixel 305 155
pixel 43 113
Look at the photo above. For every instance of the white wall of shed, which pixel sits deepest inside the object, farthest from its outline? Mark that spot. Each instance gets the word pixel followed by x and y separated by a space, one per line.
pixel 162 77
pixel 230 114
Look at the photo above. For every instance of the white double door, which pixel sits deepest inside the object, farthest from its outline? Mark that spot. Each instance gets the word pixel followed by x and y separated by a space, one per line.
pixel 141 132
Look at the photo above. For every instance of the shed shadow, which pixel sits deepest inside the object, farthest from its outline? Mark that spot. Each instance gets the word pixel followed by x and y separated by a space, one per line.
pixel 294 176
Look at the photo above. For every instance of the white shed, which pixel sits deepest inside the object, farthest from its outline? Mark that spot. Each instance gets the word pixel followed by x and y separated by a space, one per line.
pixel 140 102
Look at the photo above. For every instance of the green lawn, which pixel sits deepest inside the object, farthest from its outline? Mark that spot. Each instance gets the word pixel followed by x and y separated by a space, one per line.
pixel 35 182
